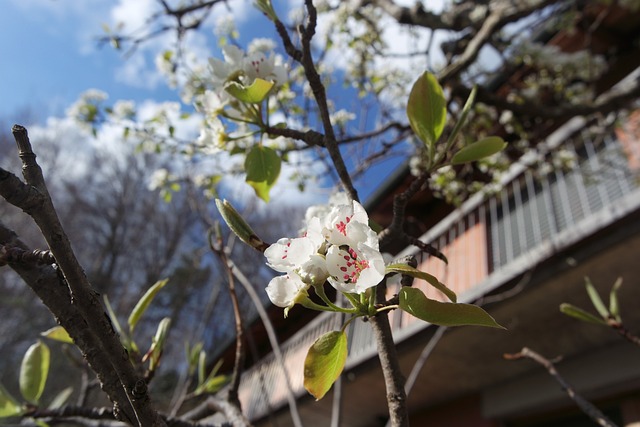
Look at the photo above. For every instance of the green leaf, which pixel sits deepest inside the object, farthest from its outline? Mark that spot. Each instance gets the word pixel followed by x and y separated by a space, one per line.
pixel 463 116
pixel 324 363
pixel 202 366
pixel 57 333
pixel 144 302
pixel 614 307
pixel 9 407
pixel 479 150
pixel 112 315
pixel 432 280
pixel 157 344
pixel 61 398
pixel 213 382
pixel 192 356
pixel 263 168
pixel 427 109
pixel 124 337
pixel 580 314
pixel 414 302
pixel 34 371
pixel 254 94
pixel 595 298
pixel 214 370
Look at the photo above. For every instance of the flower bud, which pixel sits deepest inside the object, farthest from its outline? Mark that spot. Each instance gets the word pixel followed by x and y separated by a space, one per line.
pixel 239 226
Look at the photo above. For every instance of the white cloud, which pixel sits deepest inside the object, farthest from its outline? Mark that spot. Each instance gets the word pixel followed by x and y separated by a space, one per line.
pixel 133 15
pixel 137 72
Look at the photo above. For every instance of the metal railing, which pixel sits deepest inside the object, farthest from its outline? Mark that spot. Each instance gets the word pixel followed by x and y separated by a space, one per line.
pixel 487 241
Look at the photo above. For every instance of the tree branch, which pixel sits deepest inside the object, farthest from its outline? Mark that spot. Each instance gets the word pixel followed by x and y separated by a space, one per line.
pixel 395 230
pixel 611 101
pixel 273 340
pixel 585 406
pixel 232 393
pixel 52 290
pixel 34 199
pixel 393 379
pixel 305 58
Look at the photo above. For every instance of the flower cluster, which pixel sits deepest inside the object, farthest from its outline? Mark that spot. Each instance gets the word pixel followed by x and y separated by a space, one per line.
pixel 214 102
pixel 86 111
pixel 338 246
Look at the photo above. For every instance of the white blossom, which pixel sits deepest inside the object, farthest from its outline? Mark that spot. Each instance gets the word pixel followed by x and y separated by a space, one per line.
pixel 259 65
pixel 263 45
pixel 124 109
pixel 337 246
pixel 159 178
pixel 289 254
pixel 237 65
pixel 354 270
pixel 349 225
pixel 283 290
pixel 341 117
pixel 225 25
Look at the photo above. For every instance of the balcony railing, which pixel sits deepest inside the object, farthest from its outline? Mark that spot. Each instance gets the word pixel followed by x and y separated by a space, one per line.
pixel 488 241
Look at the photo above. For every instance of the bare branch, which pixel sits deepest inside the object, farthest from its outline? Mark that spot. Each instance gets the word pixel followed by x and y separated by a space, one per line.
pixel 585 406
pixel 502 13
pixel 40 207
pixel 305 58
pixel 51 288
pixel 396 229
pixel 215 244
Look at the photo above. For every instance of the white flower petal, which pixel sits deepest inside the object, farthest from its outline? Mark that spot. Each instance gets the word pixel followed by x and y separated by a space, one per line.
pixel 314 271
pixel 289 254
pixel 354 270
pixel 283 290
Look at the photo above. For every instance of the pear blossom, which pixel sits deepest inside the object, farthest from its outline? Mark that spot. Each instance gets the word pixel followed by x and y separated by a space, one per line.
pixel 337 246
pixel 354 270
pixel 288 254
pixel 284 290
pixel 261 45
pixel 211 103
pixel 321 211
pixel 223 70
pixel 314 270
pixel 259 65
pixel 348 225
pixel 239 66
pixel 225 25
pixel 159 178
pixel 124 109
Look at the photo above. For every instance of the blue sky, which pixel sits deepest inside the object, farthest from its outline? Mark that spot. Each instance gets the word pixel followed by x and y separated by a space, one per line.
pixel 50 55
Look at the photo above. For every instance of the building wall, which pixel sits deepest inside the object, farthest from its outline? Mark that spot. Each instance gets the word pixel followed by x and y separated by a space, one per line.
pixel 464 412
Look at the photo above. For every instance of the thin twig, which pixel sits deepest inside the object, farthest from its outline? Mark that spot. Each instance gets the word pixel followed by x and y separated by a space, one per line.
pixel 585 406
pixel 232 393
pixel 624 332
pixel 396 229
pixel 273 340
